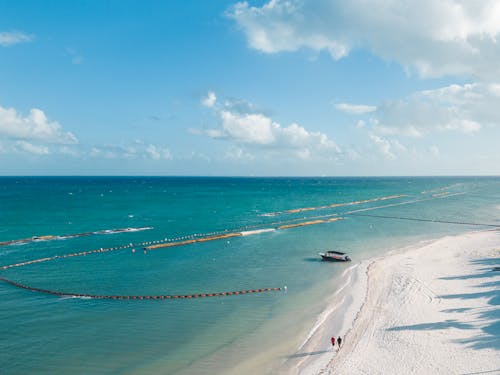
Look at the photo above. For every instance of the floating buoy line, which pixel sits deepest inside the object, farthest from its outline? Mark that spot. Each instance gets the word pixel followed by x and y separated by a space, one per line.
pixel 139 297
pixel 74 235
pixel 427 220
pixel 152 245
pixel 171 242
pixel 212 236
pixel 199 238
pixel 334 205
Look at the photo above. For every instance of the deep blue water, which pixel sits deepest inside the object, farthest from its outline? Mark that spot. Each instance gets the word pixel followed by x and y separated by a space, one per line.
pixel 44 334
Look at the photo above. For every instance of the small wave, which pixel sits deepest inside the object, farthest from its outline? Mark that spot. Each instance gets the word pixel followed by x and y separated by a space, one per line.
pixel 257 231
pixel 62 298
pixel 122 230
pixel 20 243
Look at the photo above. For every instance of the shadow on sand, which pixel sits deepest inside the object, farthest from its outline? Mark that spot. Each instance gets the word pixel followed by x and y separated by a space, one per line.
pixel 487 284
pixel 436 325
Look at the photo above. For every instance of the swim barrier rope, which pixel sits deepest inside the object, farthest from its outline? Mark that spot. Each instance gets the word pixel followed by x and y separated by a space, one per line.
pixel 152 246
pixel 129 230
pixel 425 220
pixel 140 297
pixel 196 238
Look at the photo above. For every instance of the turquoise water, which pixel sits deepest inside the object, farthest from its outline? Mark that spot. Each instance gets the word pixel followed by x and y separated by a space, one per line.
pixel 45 334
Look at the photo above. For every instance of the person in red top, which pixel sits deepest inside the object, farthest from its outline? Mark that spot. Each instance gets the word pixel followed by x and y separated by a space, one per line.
pixel 333 341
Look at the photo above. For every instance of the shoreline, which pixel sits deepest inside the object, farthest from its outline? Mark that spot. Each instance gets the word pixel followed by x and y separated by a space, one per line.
pixel 408 304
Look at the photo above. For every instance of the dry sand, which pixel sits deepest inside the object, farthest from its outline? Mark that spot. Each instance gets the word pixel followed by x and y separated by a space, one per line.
pixel 434 309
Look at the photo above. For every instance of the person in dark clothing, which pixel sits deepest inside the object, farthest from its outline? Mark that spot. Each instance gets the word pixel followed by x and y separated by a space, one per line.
pixel 339 341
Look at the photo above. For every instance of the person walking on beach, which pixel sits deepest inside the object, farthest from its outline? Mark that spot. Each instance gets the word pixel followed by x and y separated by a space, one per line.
pixel 333 341
pixel 339 341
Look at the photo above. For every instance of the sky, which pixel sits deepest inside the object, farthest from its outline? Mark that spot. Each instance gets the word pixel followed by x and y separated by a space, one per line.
pixel 257 88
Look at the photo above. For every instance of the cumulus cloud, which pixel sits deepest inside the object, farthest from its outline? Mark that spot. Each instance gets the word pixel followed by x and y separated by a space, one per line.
pixel 68 150
pixel 13 37
pixel 137 150
pixel 209 100
pixel 107 152
pixel 461 108
pixel 356 109
pixel 34 126
pixel 435 38
pixel 388 148
pixel 260 130
pixel 285 26
pixel 158 153
pixel 243 124
pixel 247 128
pixel 23 146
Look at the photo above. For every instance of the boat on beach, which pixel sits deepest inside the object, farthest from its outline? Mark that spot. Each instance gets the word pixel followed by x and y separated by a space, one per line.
pixel 335 256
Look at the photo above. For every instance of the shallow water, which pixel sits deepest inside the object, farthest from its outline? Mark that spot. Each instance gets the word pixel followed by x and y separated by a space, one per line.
pixel 46 334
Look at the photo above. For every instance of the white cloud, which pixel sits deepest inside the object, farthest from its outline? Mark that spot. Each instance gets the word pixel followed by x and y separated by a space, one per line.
pixel 65 150
pixel 106 152
pixel 35 126
pixel 281 26
pixel 157 153
pixel 237 153
pixel 23 146
pixel 460 108
pixel 350 153
pixel 247 128
pixel 304 154
pixel 242 124
pixel 386 147
pixel 209 100
pixel 14 37
pixel 260 130
pixel 356 109
pixel 137 150
pixel 436 38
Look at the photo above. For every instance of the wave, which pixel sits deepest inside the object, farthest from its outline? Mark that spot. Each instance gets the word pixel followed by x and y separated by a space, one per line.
pixel 122 230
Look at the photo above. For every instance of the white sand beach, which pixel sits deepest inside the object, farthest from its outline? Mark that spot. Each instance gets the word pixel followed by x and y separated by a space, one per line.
pixel 434 309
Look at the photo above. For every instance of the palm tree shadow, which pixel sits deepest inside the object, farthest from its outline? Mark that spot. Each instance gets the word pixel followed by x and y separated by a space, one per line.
pixel 485 289
pixel 431 326
pixel 487 319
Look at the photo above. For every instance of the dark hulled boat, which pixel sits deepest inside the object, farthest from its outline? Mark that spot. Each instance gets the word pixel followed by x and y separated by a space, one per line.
pixel 335 256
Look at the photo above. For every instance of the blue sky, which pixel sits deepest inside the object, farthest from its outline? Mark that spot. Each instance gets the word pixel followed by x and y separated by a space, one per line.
pixel 321 88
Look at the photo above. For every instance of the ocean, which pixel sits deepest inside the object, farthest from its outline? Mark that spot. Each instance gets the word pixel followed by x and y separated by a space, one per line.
pixel 277 228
